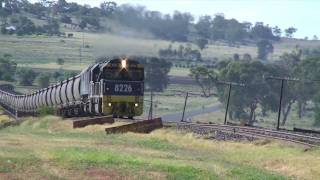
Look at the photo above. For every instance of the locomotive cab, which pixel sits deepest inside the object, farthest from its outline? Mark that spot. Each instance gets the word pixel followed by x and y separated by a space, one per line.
pixel 122 83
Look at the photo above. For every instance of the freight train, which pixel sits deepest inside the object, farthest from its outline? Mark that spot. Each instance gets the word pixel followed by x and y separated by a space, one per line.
pixel 114 87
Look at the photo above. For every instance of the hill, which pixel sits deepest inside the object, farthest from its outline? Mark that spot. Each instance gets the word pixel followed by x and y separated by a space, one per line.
pixel 48 148
pixel 43 51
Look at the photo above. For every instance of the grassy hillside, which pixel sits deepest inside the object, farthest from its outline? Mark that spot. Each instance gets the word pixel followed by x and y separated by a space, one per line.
pixel 50 149
pixel 30 50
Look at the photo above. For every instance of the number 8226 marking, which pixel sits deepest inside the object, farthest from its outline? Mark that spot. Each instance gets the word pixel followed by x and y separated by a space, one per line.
pixel 123 88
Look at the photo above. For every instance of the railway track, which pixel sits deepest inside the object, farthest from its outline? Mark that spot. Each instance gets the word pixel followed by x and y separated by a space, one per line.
pixel 250 133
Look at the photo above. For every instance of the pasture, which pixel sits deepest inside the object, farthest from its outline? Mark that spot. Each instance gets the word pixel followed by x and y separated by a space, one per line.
pixel 48 148
pixel 83 48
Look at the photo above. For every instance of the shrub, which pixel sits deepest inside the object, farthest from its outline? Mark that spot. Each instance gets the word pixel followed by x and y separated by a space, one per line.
pixel 44 111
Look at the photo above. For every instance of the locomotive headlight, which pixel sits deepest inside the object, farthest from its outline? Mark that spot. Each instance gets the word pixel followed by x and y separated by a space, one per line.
pixel 109 104
pixel 124 64
pixel 136 104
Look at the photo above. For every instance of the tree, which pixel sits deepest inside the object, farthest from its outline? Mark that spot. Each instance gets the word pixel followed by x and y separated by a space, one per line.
pixel 315 37
pixel 93 21
pixel 290 31
pixel 7 68
pixel 203 26
pixel 26 76
pixel 61 6
pixel 205 78
pixel 66 19
pixel 202 43
pixel 245 100
pixel 289 65
pixel 261 31
pixel 247 57
pixel 83 24
pixel 43 80
pixel 236 57
pixel 60 61
pixel 156 71
pixel 264 48
pixel 277 31
pixel 52 28
pixel 25 26
pixel 308 69
pixel 108 7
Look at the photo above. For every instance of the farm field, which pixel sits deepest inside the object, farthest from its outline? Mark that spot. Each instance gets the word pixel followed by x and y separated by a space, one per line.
pixel 44 50
pixel 47 148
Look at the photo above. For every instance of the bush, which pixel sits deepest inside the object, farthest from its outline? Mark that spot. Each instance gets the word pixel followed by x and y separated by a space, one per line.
pixel 43 80
pixel 7 68
pixel 44 111
pixel 26 76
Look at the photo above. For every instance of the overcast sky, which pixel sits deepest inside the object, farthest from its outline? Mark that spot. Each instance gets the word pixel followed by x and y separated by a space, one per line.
pixel 302 14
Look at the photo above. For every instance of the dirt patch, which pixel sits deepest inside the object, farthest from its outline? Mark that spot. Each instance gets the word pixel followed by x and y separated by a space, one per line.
pixel 4 176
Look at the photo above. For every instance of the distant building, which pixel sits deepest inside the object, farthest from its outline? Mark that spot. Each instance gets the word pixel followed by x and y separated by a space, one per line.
pixel 11 28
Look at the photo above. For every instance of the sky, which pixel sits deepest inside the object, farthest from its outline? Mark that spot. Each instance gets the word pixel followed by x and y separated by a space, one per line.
pixel 302 14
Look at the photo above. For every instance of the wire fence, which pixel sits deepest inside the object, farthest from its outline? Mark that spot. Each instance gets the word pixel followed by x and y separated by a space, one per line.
pixel 280 103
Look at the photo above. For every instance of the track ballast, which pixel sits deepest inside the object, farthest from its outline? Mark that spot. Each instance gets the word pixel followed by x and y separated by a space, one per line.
pixel 230 132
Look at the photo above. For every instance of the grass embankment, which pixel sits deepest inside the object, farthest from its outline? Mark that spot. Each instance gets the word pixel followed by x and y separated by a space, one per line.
pixel 268 121
pixel 50 149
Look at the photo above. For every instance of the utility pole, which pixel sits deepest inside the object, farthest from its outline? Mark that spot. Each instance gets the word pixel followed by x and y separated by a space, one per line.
pixel 151 106
pixel 230 84
pixel 80 54
pixel 184 107
pixel 283 80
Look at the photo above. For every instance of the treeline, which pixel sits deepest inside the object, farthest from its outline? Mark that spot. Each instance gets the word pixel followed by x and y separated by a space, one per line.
pixel 176 27
pixel 260 96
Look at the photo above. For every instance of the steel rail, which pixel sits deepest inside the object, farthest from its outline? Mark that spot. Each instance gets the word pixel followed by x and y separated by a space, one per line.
pixel 260 132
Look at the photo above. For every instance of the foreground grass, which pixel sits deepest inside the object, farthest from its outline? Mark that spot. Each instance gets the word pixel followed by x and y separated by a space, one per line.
pixel 50 149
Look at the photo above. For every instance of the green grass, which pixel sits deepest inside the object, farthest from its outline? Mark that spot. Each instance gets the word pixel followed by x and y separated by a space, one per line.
pixel 48 148
pixel 173 98
pixel 269 121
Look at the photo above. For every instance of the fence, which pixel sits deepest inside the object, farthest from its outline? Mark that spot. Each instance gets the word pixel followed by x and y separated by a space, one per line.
pixel 275 102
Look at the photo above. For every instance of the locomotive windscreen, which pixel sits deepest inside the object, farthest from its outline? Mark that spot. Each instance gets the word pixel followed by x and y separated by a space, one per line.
pixel 132 72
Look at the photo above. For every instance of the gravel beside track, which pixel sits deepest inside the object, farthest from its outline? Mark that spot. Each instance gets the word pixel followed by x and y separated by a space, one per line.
pixel 240 133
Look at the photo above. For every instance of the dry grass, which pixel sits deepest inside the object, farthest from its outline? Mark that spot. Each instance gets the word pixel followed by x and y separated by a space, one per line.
pixel 46 50
pixel 49 149
pixel 288 160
